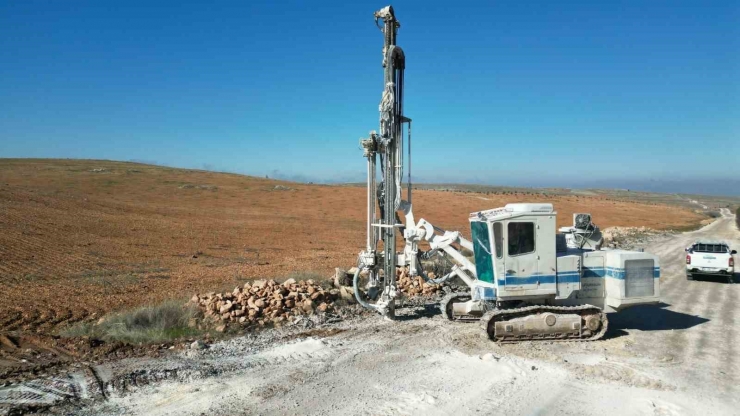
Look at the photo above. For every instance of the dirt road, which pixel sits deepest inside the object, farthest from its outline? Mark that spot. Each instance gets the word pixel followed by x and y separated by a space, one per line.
pixel 696 331
pixel 676 358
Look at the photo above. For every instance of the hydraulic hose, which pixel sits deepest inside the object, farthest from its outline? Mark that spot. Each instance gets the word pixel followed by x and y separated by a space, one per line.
pixel 436 281
pixel 366 305
pixel 356 288
pixel 420 271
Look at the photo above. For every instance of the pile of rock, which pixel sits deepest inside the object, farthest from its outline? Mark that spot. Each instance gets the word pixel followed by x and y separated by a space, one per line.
pixel 410 286
pixel 622 236
pixel 265 301
pixel 415 286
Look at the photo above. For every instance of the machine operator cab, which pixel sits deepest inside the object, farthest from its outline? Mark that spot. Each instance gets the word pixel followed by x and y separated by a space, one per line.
pixel 520 255
pixel 514 249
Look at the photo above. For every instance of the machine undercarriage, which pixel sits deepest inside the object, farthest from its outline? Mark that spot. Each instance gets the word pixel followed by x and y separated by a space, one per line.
pixel 519 321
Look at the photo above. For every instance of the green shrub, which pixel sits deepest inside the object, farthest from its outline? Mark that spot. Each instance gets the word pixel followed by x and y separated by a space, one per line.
pixel 148 324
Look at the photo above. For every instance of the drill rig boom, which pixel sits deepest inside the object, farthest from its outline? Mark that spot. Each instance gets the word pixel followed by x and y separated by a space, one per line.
pixel 386 147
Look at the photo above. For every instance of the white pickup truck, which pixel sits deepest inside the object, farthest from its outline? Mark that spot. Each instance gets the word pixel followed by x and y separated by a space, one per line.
pixel 710 258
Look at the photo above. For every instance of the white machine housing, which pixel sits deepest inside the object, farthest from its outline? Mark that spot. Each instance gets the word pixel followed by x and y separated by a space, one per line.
pixel 520 258
pixel 518 241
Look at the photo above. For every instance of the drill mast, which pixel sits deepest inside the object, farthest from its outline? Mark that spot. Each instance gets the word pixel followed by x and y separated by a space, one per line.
pixel 387 148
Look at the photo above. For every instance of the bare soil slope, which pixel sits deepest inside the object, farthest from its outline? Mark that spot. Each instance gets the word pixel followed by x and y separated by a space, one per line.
pixel 82 238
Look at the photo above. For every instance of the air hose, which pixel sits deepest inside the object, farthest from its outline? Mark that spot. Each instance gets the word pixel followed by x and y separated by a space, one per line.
pixel 358 295
pixel 420 271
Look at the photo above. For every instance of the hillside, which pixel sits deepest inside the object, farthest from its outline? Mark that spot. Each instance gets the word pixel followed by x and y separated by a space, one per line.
pixel 79 238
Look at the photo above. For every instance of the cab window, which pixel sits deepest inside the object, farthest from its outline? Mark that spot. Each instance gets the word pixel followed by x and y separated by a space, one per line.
pixel 498 239
pixel 482 250
pixel 520 238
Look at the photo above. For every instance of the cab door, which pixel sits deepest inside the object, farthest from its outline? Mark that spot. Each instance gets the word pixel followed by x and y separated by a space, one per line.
pixel 482 251
pixel 521 263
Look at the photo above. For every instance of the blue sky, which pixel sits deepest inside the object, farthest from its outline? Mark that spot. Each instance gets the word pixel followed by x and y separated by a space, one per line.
pixel 514 93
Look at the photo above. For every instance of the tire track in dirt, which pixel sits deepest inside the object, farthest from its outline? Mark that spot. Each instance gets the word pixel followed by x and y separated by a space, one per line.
pixel 29 320
pixel 61 318
pixel 679 296
pixel 671 264
pixel 674 277
pixel 10 319
pixel 16 324
pixel 691 303
pixel 706 344
pixel 44 320
pixel 695 298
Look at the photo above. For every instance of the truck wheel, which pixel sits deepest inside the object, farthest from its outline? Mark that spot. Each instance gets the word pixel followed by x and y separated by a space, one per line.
pixel 689 276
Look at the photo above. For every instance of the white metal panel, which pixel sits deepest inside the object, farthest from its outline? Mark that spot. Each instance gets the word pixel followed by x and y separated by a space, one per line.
pixel 594 273
pixel 568 276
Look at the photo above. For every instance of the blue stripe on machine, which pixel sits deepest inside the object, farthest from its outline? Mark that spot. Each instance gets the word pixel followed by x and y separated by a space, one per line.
pixel 594 272
pixel 569 277
pixel 615 272
pixel 542 279
pixel 619 273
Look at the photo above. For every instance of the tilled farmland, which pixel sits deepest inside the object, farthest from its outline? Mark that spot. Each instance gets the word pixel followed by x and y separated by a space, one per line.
pixel 81 239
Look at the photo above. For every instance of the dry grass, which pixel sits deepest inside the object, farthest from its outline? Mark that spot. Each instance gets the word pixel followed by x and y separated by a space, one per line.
pixel 145 325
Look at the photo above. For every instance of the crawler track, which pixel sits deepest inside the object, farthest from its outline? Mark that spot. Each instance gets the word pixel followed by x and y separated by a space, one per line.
pixel 490 318
pixel 445 305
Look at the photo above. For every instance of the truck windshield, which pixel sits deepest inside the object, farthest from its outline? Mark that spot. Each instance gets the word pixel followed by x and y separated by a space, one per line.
pixel 710 248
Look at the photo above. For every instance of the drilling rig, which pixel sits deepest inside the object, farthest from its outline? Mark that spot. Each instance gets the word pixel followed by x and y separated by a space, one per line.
pixel 527 281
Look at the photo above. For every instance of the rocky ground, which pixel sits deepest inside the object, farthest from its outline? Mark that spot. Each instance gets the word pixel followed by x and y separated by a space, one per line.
pixel 629 238
pixel 266 302
pixel 672 359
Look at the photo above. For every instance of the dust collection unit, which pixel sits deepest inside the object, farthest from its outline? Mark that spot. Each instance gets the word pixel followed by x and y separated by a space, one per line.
pixel 528 279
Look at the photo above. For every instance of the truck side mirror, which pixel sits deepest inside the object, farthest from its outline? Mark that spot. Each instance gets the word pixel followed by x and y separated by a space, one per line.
pixel 733 252
pixel 686 249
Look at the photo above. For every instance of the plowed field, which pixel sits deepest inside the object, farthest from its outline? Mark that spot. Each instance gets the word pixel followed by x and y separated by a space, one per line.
pixel 82 238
